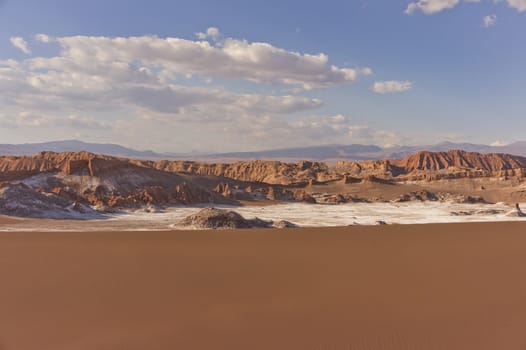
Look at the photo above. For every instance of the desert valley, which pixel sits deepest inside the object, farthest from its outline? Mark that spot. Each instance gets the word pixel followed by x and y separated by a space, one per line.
pixel 140 194
pixel 124 253
pixel 262 175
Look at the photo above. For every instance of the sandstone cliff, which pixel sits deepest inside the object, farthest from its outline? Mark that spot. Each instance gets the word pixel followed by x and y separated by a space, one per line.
pixel 436 165
pixel 270 172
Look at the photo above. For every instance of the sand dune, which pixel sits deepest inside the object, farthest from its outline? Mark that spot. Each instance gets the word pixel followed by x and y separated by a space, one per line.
pixel 448 286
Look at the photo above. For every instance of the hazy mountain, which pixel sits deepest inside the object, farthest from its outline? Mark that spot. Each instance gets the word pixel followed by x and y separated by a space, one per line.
pixel 362 152
pixel 320 153
pixel 314 152
pixel 75 146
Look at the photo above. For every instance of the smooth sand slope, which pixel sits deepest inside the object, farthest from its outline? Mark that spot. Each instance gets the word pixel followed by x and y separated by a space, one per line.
pixel 452 286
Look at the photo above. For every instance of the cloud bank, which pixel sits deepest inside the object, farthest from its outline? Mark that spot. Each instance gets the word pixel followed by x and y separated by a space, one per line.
pixel 172 91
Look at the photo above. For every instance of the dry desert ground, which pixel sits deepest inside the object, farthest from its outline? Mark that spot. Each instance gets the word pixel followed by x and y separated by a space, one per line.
pixel 435 286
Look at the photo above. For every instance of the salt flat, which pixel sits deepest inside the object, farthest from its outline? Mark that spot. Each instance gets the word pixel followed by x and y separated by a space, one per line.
pixel 304 215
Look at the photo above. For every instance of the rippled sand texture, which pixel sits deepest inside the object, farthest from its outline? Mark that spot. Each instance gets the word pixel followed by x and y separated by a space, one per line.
pixel 446 286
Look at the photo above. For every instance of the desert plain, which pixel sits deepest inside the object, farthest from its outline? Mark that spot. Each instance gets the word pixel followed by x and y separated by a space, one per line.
pixel 433 286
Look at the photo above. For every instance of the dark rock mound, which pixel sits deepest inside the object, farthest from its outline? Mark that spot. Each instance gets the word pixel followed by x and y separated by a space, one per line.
pixel 421 196
pixel 285 224
pixel 212 218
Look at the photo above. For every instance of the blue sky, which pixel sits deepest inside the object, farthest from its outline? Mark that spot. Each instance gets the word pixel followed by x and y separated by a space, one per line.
pixel 272 74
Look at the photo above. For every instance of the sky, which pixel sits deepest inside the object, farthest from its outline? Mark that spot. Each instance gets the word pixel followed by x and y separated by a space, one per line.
pixel 233 75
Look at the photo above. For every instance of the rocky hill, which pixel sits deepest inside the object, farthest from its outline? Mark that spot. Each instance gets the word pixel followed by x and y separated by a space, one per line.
pixel 460 160
pixel 78 182
pixel 271 172
pixel 435 165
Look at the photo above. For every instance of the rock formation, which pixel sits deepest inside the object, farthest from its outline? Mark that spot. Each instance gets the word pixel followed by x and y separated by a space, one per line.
pixel 83 179
pixel 212 218
pixel 436 165
pixel 269 172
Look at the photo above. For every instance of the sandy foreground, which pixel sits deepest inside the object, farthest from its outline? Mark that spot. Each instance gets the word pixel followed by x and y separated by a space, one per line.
pixel 443 286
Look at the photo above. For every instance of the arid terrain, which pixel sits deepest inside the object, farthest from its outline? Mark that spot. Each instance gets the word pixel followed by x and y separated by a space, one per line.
pixel 112 282
pixel 447 286
pixel 82 185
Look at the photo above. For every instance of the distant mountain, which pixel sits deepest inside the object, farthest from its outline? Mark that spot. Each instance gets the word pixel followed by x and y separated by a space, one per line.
pixel 327 153
pixel 363 152
pixel 314 152
pixel 75 146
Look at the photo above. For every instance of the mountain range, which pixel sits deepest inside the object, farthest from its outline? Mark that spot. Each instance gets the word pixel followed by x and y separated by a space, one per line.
pixel 327 153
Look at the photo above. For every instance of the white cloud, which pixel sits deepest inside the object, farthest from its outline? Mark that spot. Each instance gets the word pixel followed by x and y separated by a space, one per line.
pixel 520 5
pixel 43 38
pixel 234 59
pixel 20 44
pixel 430 7
pixel 124 87
pixel 212 33
pixel 489 21
pixel 62 95
pixel 391 86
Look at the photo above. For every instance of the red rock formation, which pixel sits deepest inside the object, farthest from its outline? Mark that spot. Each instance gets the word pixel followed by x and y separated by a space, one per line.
pixel 271 172
pixel 118 182
pixel 436 165
pixel 155 195
pixel 223 189
pixel 186 194
pixel 457 160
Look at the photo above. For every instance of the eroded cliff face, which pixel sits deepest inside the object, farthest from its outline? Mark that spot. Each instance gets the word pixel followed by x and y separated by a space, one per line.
pixel 12 168
pixel 87 179
pixel 437 165
pixel 270 172
pixel 461 160
pixel 100 181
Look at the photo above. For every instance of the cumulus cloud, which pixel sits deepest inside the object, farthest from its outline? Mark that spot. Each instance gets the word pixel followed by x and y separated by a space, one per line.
pixel 519 5
pixel 391 86
pixel 20 44
pixel 61 93
pixel 173 88
pixel 489 21
pixel 430 7
pixel 233 59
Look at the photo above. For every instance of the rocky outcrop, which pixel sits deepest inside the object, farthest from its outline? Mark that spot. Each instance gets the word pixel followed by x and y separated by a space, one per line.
pixel 381 168
pixel 284 224
pixel 223 189
pixel 111 182
pixel 269 172
pixel 21 200
pixel 212 218
pixel 437 165
pixel 460 160
pixel 187 194
pixel 417 196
